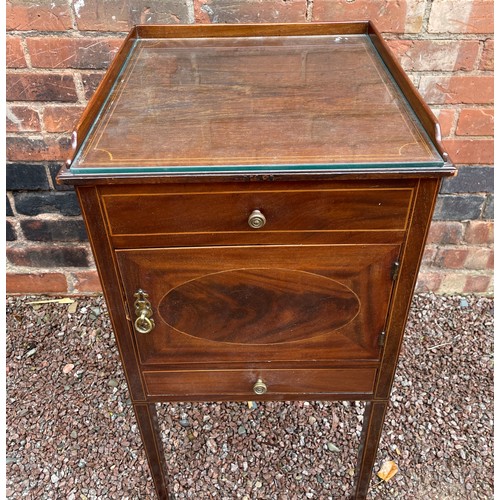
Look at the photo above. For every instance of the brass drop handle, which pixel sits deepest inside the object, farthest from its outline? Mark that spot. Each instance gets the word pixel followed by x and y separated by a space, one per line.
pixel 143 323
pixel 256 219
pixel 259 387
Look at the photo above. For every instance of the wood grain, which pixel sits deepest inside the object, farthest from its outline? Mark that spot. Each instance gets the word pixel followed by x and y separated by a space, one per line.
pixel 99 97
pixel 250 30
pixel 411 257
pixel 149 428
pixel 263 101
pixel 285 209
pixel 327 136
pixel 233 306
pixel 373 422
pixel 239 383
pixel 360 268
pixel 110 280
pixel 420 107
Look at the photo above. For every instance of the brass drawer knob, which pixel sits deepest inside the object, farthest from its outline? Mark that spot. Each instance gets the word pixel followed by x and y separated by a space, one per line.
pixel 256 219
pixel 260 387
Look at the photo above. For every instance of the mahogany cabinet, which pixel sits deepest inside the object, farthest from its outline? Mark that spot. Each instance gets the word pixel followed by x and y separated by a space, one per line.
pixel 257 199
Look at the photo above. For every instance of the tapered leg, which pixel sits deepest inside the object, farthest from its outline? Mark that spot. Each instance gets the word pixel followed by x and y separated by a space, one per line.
pixel 147 421
pixel 373 422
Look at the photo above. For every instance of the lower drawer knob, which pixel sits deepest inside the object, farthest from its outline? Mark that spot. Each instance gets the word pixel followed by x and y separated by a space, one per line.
pixel 256 219
pixel 260 387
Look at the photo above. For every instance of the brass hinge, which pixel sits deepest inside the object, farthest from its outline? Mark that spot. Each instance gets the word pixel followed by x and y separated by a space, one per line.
pixel 127 310
pixel 395 271
pixel 381 339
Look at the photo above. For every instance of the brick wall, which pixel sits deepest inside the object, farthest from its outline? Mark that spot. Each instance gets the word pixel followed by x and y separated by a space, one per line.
pixel 58 50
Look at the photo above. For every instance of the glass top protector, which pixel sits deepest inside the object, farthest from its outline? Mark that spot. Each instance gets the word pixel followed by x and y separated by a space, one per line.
pixel 284 104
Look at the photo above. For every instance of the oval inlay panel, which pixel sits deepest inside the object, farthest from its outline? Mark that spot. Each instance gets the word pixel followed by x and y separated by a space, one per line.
pixel 259 306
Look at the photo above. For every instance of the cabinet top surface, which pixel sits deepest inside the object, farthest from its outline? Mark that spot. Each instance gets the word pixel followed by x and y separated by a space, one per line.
pixel 260 103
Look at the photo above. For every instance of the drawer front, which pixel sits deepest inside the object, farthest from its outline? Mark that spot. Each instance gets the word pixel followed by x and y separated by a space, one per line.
pixel 228 212
pixel 240 383
pixel 251 304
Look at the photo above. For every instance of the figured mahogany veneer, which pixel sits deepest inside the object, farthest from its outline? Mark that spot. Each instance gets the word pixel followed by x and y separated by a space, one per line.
pixel 286 210
pixel 233 384
pixel 259 296
pixel 232 96
pixel 293 305
pixel 314 127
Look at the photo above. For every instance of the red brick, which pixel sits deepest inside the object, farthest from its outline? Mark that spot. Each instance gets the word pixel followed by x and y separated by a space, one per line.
pixel 395 16
pixel 457 89
pixel 30 149
pixel 446 118
pixel 41 87
pixel 61 118
pixel 477 284
pixel 470 151
pixel 464 16
pixel 479 258
pixel 54 230
pixel 479 232
pixel 445 233
pixel 50 255
pixel 87 281
pixel 15 55
pixel 43 15
pixel 436 55
pixel 428 281
pixel 475 121
pixel 452 282
pixel 22 119
pixel 452 258
pixel 468 51
pixel 121 15
pixel 429 255
pixel 486 62
pixel 90 83
pixel 249 11
pixel 65 52
pixel 36 283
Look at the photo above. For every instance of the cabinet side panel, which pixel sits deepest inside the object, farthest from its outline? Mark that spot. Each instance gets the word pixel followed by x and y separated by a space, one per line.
pixel 403 292
pixel 96 228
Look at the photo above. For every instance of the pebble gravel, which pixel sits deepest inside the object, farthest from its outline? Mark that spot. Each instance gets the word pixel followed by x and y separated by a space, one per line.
pixel 71 432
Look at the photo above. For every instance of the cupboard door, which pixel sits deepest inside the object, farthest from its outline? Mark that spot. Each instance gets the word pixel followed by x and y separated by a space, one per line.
pixel 251 304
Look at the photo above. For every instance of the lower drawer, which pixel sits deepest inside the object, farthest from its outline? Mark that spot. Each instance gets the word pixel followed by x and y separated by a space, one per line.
pixel 215 384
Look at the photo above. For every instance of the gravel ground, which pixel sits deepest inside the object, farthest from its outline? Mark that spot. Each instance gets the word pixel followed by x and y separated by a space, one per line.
pixel 71 432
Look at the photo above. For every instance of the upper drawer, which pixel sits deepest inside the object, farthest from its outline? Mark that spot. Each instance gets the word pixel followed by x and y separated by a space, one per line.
pixel 284 210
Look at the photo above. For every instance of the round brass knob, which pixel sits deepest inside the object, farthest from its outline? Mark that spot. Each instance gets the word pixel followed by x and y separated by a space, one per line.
pixel 256 219
pixel 260 387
